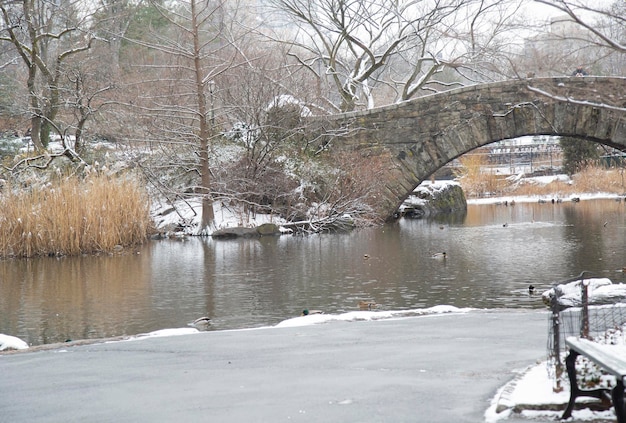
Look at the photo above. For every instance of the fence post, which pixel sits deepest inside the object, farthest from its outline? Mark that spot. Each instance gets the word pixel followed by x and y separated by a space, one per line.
pixel 556 341
pixel 584 327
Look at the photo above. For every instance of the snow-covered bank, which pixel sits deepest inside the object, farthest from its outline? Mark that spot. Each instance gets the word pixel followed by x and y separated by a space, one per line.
pixel 165 332
pixel 353 316
pixel 8 342
pixel 542 198
pixel 543 180
pixel 183 217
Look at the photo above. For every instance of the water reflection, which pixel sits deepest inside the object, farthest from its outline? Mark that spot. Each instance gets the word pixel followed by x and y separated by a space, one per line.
pixel 493 254
pixel 50 300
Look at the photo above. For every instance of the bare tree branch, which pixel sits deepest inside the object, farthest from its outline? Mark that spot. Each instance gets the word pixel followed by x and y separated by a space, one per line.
pixel 575 10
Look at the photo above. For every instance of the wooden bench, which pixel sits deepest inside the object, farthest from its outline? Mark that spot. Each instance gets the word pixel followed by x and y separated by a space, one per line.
pixel 611 358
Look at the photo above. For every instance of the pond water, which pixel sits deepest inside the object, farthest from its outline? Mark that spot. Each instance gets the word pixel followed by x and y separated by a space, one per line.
pixel 494 253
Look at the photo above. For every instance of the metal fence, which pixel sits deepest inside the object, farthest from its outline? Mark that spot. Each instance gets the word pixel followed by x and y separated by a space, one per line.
pixel 601 323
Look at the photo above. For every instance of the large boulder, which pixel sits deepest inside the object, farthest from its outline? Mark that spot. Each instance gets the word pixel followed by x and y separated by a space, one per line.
pixel 238 231
pixel 599 291
pixel 235 232
pixel 432 198
pixel 268 229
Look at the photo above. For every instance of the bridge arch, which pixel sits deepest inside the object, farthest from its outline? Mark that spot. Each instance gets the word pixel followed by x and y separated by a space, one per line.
pixel 419 136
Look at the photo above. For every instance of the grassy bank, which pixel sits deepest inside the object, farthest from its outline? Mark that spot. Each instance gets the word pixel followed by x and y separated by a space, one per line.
pixel 73 216
pixel 590 180
pixel 477 183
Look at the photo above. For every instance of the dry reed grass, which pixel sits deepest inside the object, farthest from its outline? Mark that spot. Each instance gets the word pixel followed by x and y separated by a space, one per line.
pixel 476 182
pixel 590 180
pixel 74 216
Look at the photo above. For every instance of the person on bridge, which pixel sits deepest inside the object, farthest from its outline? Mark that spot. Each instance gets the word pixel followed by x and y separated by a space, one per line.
pixel 580 71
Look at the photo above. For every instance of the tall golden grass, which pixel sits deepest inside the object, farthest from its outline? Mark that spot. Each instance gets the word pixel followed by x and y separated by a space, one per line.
pixel 477 182
pixel 593 179
pixel 74 216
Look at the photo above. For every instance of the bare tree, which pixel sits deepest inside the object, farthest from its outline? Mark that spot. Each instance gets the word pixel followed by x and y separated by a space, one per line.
pixel 600 31
pixel 191 53
pixel 394 50
pixel 11 91
pixel 606 22
pixel 45 35
pixel 487 38
pixel 86 97
pixel 575 36
pixel 351 42
pixel 113 19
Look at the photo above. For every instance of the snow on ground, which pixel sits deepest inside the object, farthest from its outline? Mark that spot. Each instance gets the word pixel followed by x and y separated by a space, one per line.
pixel 352 316
pixel 165 332
pixel 190 211
pixel 8 342
pixel 534 198
pixel 541 180
pixel 530 393
pixel 532 390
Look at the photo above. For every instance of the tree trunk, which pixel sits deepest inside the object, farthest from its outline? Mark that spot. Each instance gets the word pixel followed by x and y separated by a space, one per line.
pixel 208 216
pixel 35 119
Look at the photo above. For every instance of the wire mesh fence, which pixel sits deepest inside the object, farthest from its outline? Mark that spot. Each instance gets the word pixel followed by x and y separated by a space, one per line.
pixel 605 324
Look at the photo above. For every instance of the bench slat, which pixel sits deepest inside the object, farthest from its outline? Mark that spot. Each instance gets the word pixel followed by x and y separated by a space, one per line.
pixel 611 357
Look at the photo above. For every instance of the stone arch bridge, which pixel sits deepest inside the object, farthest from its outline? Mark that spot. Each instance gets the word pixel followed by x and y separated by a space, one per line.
pixel 415 138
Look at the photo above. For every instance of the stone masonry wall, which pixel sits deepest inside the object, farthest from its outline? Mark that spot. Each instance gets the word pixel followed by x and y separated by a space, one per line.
pixel 424 134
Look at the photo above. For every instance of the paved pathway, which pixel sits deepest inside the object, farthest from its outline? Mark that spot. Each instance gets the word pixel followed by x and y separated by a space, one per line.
pixel 442 368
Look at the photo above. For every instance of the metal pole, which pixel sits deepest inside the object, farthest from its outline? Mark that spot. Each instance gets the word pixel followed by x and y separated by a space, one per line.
pixel 584 327
pixel 556 338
